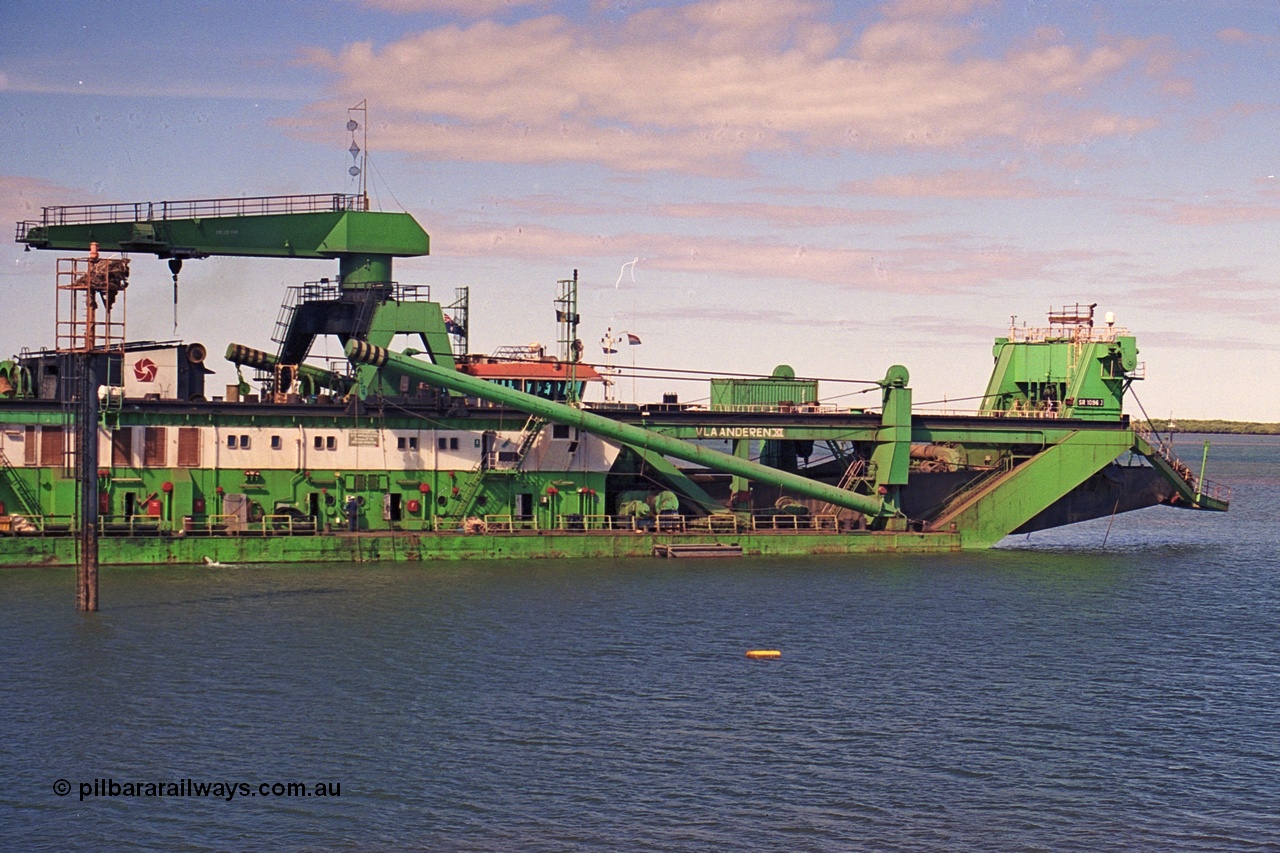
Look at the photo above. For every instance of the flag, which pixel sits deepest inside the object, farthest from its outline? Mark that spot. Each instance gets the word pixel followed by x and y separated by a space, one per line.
pixel 566 317
pixel 632 339
pixel 453 328
pixel 610 351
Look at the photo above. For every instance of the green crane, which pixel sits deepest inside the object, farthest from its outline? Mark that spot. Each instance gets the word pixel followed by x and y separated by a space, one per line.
pixel 366 304
pixel 331 226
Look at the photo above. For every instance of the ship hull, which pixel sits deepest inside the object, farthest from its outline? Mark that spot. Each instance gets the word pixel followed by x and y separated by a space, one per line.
pixel 400 547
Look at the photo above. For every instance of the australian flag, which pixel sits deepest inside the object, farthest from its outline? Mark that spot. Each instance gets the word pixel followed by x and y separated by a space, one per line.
pixel 453 328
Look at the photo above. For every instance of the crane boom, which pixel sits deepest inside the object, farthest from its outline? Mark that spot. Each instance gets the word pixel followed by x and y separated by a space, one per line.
pixel 331 226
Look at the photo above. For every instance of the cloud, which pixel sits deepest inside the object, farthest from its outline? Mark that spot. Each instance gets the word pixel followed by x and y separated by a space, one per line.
pixel 956 184
pixel 1219 211
pixel 21 199
pixel 468 8
pixel 1221 292
pixel 772 214
pixel 945 265
pixel 1180 340
pixel 1229 119
pixel 699 87
pixel 785 215
pixel 1236 35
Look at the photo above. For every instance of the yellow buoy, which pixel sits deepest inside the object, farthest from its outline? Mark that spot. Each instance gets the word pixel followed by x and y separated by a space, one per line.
pixel 764 653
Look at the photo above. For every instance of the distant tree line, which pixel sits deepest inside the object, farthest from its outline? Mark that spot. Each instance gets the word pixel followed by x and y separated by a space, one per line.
pixel 1229 427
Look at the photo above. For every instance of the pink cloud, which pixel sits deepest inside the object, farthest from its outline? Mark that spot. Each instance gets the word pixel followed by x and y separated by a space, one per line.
pixel 468 8
pixel 698 87
pixel 1236 35
pixel 775 215
pixel 945 266
pixel 21 199
pixel 956 184
pixel 1223 292
pixel 1222 213
pixel 786 215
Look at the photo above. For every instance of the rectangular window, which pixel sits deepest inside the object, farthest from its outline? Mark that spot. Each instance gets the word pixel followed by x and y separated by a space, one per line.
pixel 442 443
pixel 232 442
pixel 122 447
pixel 319 442
pixel 244 442
pixel 560 431
pixel 413 442
pixel 51 446
pixel 154 447
pixel 330 443
pixel 401 443
pixel 188 447
pixel 453 444
pixel 276 444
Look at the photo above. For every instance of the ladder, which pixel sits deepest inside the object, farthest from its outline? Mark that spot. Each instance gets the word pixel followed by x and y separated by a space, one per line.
pixel 856 471
pixel 30 505
pixel 485 464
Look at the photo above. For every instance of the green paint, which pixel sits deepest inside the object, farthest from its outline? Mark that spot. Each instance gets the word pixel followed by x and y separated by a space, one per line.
pixel 635 436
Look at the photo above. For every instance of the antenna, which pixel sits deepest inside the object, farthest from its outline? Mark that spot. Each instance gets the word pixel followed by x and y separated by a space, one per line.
pixel 610 345
pixel 359 158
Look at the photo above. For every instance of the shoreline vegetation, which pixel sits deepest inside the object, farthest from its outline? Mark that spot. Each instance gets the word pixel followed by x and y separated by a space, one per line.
pixel 1219 427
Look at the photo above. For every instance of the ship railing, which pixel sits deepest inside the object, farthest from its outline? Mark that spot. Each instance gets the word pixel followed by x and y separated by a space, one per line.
pixel 1217 491
pixel 716 522
pixel 1207 488
pixel 284 524
pixel 1067 332
pixel 19 524
pixel 983 478
pixel 595 522
pixel 132 525
pixel 663 522
pixel 276 524
pixel 824 522
pixel 784 408
pixel 210 525
pixel 1013 412
pixel 156 211
pixel 509 523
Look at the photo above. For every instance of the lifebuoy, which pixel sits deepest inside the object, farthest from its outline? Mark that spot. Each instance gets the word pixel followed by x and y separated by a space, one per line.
pixel 255 511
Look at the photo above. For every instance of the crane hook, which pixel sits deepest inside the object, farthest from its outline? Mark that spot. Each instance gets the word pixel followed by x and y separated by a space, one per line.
pixel 175 266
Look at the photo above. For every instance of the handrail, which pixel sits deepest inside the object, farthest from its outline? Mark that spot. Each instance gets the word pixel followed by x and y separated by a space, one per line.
pixel 159 211
pixel 1205 487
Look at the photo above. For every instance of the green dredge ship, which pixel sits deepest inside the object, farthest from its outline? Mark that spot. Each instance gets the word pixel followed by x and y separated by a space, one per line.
pixel 436 452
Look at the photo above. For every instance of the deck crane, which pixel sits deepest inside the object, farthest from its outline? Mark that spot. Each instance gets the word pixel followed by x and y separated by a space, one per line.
pixel 364 302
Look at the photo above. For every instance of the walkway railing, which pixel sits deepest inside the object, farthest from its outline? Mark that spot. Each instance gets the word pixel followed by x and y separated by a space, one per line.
pixel 1205 487
pixel 157 211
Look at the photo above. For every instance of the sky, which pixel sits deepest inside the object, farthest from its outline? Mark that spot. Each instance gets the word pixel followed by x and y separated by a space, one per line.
pixel 837 186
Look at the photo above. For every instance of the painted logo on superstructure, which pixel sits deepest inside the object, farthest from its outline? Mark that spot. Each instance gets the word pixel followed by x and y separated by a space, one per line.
pixel 145 370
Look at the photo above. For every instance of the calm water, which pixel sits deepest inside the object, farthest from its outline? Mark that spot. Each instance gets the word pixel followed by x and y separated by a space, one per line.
pixel 1053 694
